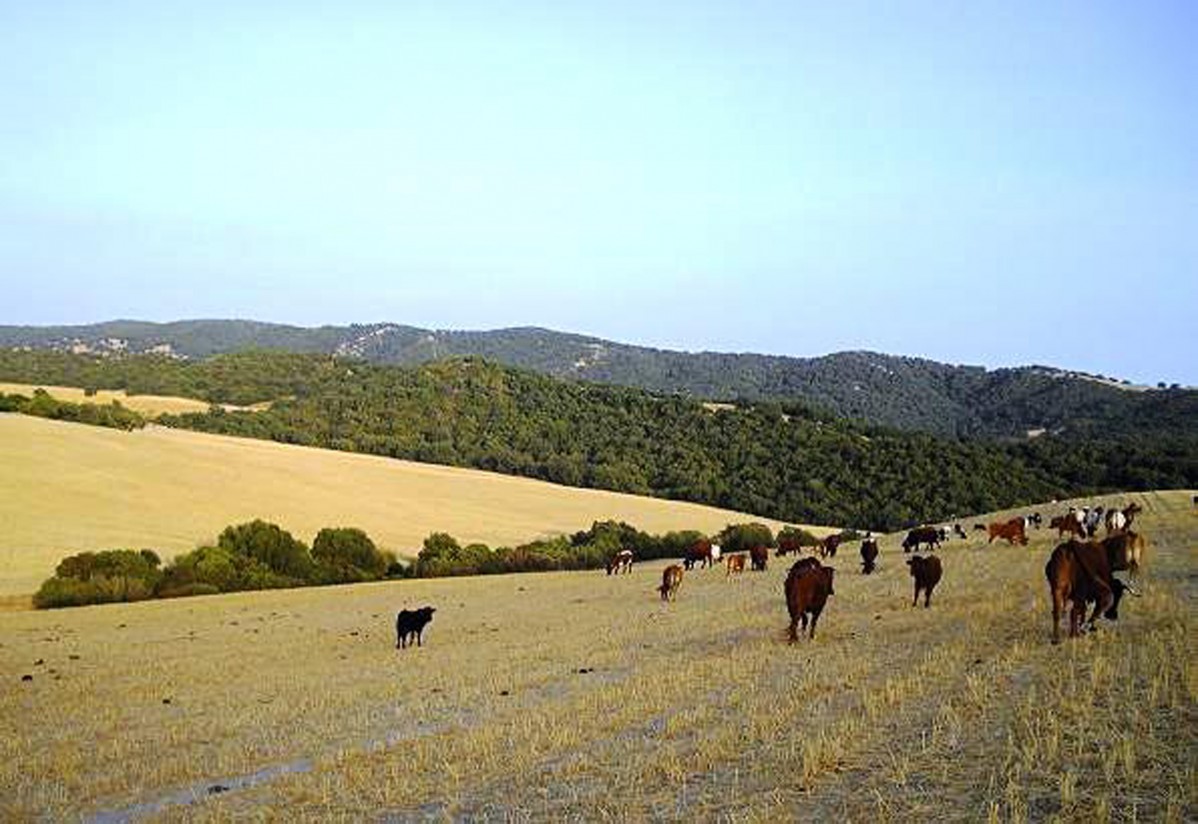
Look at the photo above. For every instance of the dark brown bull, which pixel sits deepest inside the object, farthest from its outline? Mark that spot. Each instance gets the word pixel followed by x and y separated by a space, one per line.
pixel 699 553
pixel 829 545
pixel 869 555
pixel 759 556
pixel 808 585
pixel 926 571
pixel 922 535
pixel 1080 573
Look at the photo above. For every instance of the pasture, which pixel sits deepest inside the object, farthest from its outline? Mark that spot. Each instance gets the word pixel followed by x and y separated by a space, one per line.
pixel 68 488
pixel 578 695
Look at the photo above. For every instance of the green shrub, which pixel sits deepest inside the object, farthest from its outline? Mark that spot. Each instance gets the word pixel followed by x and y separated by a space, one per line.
pixel 273 547
pixel 347 555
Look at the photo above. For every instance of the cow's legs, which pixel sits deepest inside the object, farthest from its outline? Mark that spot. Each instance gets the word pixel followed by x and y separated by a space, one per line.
pixel 791 633
pixel 1058 605
pixel 927 597
pixel 1105 598
pixel 915 600
pixel 814 618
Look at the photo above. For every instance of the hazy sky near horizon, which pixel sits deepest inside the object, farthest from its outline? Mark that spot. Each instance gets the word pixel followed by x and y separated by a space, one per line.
pixel 992 183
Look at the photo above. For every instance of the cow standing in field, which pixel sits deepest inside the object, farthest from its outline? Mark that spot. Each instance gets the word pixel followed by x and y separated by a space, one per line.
pixel 1080 573
pixel 1120 520
pixel 1012 530
pixel 922 535
pixel 735 564
pixel 410 624
pixel 869 555
pixel 760 557
pixel 829 545
pixel 926 571
pixel 671 579
pixel 620 562
pixel 808 585
pixel 1069 523
pixel 699 552
pixel 959 531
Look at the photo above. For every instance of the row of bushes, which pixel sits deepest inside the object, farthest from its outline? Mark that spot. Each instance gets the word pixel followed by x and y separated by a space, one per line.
pixel 41 405
pixel 254 555
pixel 261 555
pixel 443 556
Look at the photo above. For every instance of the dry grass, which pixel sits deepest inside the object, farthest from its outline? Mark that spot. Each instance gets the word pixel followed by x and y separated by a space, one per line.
pixel 67 488
pixel 149 405
pixel 696 709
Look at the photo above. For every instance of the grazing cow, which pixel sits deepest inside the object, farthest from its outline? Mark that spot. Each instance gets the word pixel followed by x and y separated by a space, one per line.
pixel 959 531
pixel 671 579
pixel 1092 520
pixel 869 555
pixel 926 572
pixel 921 535
pixel 1079 572
pixel 1033 520
pixel 791 542
pixel 1012 530
pixel 808 585
pixel 1120 520
pixel 759 556
pixel 829 545
pixel 410 624
pixel 942 534
pixel 979 527
pixel 1125 551
pixel 620 562
pixel 1069 522
pixel 735 563
pixel 698 553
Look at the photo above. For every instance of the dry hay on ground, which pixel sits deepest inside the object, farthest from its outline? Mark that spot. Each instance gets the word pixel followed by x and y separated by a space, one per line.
pixel 578 695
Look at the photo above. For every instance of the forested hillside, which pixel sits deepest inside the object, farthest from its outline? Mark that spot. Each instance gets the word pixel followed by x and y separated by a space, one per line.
pixel 900 392
pixel 782 461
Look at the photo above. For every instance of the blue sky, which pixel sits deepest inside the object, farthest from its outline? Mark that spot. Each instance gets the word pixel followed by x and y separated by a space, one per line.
pixel 998 183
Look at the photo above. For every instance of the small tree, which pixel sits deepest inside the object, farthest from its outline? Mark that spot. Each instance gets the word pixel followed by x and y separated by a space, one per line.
pixel 272 546
pixel 347 554
pixel 743 537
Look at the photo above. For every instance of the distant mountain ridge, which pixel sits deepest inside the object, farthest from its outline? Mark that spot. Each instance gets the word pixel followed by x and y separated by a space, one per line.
pixel 903 392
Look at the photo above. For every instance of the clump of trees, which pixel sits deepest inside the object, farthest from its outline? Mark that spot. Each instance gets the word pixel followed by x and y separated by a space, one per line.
pixel 42 405
pixel 249 556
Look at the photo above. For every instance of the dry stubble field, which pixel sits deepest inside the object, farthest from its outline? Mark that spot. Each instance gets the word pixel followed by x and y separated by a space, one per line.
pixel 296 704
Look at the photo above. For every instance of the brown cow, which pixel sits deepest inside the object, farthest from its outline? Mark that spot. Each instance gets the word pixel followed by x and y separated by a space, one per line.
pixel 620 562
pixel 1081 573
pixel 1067 523
pixel 869 555
pixel 1125 551
pixel 760 557
pixel 671 579
pixel 1012 530
pixel 808 585
pixel 926 572
pixel 829 545
pixel 735 564
pixel 699 552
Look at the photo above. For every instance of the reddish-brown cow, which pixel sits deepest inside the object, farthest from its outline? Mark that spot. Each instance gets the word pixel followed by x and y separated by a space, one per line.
pixel 808 585
pixel 1012 530
pixel 671 579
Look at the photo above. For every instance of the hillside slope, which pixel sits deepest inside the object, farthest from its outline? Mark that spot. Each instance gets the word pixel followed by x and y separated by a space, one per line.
pixel 67 488
pixel 903 392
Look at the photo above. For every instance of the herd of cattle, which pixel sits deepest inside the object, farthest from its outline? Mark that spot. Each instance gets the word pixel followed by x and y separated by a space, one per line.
pixel 1080 571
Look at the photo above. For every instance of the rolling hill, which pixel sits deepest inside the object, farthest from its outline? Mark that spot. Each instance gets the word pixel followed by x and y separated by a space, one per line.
pixel 69 488
pixel 902 392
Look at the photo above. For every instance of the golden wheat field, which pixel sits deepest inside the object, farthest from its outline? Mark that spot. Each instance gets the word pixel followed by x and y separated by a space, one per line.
pixel 67 488
pixel 151 405
pixel 582 696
